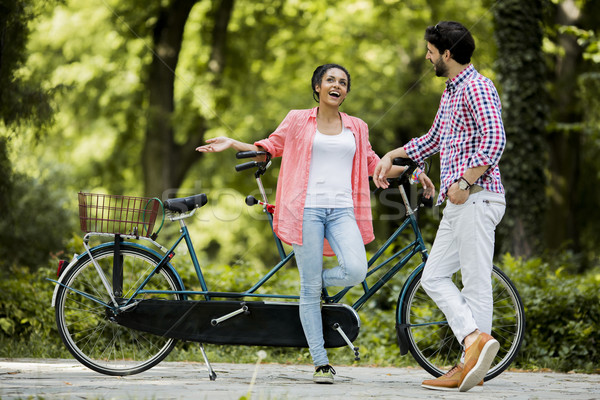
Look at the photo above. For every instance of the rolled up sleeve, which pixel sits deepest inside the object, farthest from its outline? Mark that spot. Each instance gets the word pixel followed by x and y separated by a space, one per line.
pixel 421 148
pixel 275 143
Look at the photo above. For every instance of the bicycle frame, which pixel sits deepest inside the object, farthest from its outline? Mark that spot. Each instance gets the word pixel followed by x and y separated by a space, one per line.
pixel 400 259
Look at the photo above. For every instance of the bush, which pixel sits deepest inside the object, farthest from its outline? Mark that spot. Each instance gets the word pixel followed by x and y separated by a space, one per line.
pixel 562 312
pixel 563 315
pixel 34 223
pixel 27 325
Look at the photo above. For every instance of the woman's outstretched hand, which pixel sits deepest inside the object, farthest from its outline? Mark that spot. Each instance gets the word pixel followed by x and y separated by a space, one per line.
pixel 215 145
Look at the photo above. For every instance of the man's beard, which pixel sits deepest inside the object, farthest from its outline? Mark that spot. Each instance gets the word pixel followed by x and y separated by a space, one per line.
pixel 441 69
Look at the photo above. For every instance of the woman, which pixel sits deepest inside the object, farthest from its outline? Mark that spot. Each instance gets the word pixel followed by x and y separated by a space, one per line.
pixel 323 197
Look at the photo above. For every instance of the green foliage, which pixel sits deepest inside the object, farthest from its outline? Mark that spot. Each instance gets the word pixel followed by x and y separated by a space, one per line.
pixel 27 325
pixel 21 97
pixel 99 130
pixel 562 312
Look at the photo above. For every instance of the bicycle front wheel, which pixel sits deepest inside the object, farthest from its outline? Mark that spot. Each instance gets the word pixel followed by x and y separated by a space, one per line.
pixel 431 341
pixel 85 325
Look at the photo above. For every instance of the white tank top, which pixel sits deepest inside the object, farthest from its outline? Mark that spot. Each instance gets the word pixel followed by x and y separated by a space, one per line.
pixel 330 176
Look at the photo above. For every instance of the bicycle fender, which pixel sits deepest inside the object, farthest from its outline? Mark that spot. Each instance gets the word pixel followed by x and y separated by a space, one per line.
pixel 402 338
pixel 76 258
pixel 405 287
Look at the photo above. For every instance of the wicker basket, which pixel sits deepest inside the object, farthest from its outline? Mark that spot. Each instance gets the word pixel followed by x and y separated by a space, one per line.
pixel 124 215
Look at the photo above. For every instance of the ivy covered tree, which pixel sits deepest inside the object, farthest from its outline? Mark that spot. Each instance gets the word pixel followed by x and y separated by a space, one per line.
pixel 522 76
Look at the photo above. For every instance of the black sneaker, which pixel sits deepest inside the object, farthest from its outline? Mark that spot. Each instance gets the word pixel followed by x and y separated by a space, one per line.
pixel 324 374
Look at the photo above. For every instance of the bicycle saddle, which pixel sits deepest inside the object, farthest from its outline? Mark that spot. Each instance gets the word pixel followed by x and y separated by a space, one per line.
pixel 185 204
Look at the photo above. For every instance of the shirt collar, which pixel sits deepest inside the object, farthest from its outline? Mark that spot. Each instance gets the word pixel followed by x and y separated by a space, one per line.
pixel 452 85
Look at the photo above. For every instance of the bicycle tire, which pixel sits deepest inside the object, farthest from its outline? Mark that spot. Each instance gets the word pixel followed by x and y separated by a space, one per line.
pixel 85 326
pixel 431 341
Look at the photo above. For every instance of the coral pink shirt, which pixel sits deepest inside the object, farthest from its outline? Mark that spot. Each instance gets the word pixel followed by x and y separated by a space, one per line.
pixel 293 140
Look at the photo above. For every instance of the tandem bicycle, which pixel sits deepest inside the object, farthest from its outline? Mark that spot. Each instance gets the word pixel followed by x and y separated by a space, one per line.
pixel 121 306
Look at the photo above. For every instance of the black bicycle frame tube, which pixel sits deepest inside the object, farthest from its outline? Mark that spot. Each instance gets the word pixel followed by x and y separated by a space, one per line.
pixel 117 272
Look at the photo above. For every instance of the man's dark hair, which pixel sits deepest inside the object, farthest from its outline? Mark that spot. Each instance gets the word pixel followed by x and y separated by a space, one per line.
pixel 318 77
pixel 453 36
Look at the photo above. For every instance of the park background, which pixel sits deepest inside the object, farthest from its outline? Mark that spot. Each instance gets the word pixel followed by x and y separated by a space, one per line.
pixel 110 96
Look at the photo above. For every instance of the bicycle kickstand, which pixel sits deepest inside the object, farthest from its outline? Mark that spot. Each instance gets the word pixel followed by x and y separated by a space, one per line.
pixel 338 328
pixel 211 373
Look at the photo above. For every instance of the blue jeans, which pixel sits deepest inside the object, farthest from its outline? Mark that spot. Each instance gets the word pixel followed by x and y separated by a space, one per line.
pixel 339 226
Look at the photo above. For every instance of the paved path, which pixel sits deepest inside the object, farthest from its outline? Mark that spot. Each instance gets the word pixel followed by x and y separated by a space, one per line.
pixel 67 379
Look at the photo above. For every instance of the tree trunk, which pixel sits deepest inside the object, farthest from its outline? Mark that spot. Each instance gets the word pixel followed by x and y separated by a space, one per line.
pixel 158 157
pixel 166 162
pixel 565 138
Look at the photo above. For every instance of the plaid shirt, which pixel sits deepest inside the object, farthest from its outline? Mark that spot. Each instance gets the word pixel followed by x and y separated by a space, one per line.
pixel 467 132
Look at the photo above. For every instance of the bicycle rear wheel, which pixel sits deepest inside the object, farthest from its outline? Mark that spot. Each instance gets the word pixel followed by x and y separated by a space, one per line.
pixel 431 341
pixel 85 325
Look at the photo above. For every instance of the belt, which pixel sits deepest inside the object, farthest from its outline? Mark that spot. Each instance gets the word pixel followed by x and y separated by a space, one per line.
pixel 475 189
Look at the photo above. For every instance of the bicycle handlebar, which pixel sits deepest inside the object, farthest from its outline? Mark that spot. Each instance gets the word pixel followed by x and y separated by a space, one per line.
pixel 250 154
pixel 404 162
pixel 407 162
pixel 403 178
pixel 246 165
pixel 261 165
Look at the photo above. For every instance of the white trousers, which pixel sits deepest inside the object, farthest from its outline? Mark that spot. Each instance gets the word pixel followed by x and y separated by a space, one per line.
pixel 465 241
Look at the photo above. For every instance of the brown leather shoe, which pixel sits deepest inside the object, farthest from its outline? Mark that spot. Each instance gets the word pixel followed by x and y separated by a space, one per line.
pixel 448 381
pixel 478 359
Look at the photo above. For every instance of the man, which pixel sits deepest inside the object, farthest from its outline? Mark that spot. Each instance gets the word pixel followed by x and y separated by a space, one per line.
pixel 469 135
